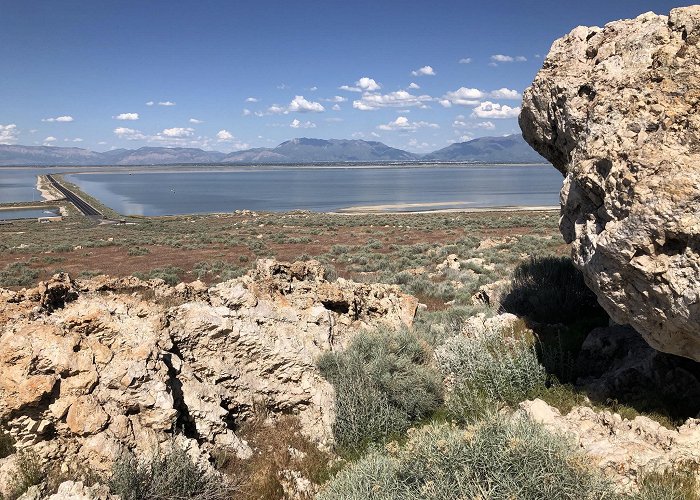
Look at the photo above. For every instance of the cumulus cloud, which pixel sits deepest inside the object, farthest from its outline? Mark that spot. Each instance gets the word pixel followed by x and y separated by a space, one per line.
pixel 465 60
pixel 166 103
pixel 488 109
pixel 424 71
pixel 251 99
pixel 298 105
pixel 336 98
pixel 364 84
pixel 460 122
pixel 127 116
pixel 49 140
pixel 463 96
pixel 314 88
pixel 65 118
pixel 398 99
pixel 178 132
pixel 129 134
pixel 224 135
pixel 8 134
pixel 150 103
pixel 502 58
pixel 78 139
pixel 414 86
pixel 297 124
pixel 196 121
pixel 402 123
pixel 504 93
pixel 336 107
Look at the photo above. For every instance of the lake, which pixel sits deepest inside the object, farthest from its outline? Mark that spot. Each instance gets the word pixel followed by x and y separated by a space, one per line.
pixel 322 189
pixel 28 213
pixel 19 183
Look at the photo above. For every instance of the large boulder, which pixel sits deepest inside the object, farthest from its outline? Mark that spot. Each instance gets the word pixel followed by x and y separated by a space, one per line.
pixel 617 111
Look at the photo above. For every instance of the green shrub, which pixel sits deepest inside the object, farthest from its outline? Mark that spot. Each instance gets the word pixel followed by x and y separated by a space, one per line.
pixel 680 483
pixel 496 459
pixel 167 474
pixel 138 251
pixel 18 274
pixel 169 274
pixel 551 290
pixel 7 444
pixel 383 382
pixel 487 370
pixel 28 472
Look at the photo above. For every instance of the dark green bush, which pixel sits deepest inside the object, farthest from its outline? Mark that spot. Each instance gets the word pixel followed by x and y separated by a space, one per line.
pixel 384 382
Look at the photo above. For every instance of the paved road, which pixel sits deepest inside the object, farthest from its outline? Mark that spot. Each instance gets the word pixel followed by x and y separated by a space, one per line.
pixel 81 205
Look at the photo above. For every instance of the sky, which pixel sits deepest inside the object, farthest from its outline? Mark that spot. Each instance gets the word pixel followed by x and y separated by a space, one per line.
pixel 231 75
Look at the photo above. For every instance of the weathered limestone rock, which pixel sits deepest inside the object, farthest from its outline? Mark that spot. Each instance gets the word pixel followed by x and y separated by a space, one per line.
pixel 615 109
pixel 91 368
pixel 622 449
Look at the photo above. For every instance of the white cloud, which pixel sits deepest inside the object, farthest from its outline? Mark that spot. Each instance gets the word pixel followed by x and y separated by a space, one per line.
pixel 414 86
pixel 166 103
pixel 224 135
pixel 150 103
pixel 364 84
pixel 251 99
pixel 336 98
pixel 246 112
pixel 413 143
pixel 129 134
pixel 504 93
pixel 336 107
pixel 313 89
pixel 297 124
pixel 78 139
pixel 374 134
pixel 8 134
pixel 501 58
pixel 298 105
pixel 461 123
pixel 488 109
pixel 195 121
pixel 65 118
pixel 465 60
pixel 398 99
pixel 466 137
pixel 424 71
pixel 49 140
pixel 127 116
pixel 301 105
pixel 402 123
pixel 463 96
pixel 178 132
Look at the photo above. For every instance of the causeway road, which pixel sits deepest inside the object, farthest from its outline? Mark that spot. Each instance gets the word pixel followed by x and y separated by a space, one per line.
pixel 79 203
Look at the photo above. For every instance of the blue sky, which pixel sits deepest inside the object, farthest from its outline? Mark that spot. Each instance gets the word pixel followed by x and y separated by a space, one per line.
pixel 229 75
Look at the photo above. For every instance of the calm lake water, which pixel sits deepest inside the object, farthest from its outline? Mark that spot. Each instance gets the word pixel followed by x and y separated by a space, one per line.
pixel 28 213
pixel 322 189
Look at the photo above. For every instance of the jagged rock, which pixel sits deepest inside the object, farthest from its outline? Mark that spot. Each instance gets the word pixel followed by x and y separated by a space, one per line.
pixel 70 490
pixel 615 109
pixel 623 449
pixel 94 367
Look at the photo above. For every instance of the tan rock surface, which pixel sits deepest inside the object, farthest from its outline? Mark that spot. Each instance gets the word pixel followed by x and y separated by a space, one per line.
pixel 92 367
pixel 615 109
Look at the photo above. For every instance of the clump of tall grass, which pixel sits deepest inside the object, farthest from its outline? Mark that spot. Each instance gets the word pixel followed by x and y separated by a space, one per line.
pixel 169 274
pixel 498 458
pixel 169 473
pixel 384 382
pixel 489 369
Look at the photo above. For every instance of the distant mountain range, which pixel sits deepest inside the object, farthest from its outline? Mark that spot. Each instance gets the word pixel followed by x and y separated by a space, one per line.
pixel 509 149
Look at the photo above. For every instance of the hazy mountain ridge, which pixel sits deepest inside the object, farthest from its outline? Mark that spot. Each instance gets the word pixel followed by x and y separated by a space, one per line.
pixel 301 150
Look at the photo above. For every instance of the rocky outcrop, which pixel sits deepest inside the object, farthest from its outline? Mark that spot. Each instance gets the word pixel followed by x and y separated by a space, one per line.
pixel 91 368
pixel 615 109
pixel 623 449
